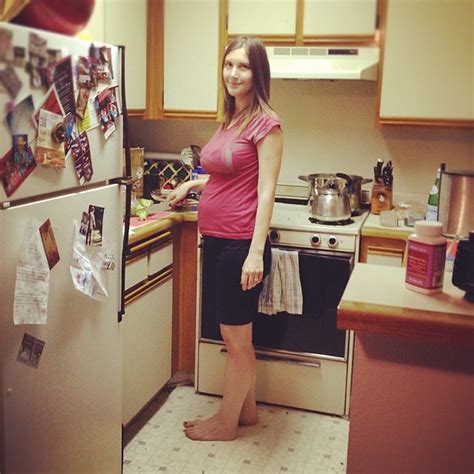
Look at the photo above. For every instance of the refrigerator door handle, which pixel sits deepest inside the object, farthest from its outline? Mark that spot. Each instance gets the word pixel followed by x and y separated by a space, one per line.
pixel 125 181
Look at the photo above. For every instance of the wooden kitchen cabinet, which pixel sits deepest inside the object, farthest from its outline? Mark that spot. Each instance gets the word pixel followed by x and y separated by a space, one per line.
pixel 190 58
pixel 304 21
pixel 382 251
pixel 345 19
pixel 124 22
pixel 262 18
pixel 427 74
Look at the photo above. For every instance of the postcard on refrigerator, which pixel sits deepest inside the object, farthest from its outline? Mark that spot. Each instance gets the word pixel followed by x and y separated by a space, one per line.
pixel 49 146
pixel 63 80
pixel 13 174
pixel 107 110
pixel 50 103
pixel 20 119
pixel 49 243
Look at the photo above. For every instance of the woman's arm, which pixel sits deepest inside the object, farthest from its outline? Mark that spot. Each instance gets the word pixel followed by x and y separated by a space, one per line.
pixel 179 194
pixel 269 151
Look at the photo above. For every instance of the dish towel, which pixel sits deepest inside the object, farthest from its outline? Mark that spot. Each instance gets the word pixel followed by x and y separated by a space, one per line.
pixel 282 287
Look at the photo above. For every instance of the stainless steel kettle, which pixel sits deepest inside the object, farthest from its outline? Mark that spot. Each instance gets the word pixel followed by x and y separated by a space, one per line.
pixel 329 198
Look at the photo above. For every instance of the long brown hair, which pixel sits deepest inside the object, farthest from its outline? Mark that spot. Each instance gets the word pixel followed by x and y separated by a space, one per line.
pixel 260 68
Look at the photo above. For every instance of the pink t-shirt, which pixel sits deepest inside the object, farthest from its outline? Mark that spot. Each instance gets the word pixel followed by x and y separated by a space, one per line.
pixel 228 204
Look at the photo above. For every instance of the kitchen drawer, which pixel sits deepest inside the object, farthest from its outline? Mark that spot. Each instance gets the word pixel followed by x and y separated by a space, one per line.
pixel 136 271
pixel 160 258
pixel 283 383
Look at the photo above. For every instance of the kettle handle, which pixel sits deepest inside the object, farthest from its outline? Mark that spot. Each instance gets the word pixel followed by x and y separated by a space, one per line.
pixel 346 177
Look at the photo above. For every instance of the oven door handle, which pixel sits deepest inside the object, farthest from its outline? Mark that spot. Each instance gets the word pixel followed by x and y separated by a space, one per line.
pixel 265 356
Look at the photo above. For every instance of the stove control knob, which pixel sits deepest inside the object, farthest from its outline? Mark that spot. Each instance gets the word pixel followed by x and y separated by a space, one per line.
pixel 332 241
pixel 274 235
pixel 315 240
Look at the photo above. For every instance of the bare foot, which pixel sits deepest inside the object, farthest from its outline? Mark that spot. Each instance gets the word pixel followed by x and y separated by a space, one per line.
pixel 248 419
pixel 212 429
pixel 244 420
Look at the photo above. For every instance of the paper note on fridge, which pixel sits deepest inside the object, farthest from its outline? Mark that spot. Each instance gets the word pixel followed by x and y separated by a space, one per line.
pixel 30 305
pixel 32 280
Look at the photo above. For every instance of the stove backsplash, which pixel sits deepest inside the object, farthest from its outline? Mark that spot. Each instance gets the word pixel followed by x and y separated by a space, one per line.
pixel 329 127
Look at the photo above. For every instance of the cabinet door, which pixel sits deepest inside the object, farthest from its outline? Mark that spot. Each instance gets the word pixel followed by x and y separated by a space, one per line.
pixel 339 18
pixel 428 63
pixel 126 24
pixel 261 17
pixel 382 251
pixel 191 69
pixel 146 332
pixel 94 30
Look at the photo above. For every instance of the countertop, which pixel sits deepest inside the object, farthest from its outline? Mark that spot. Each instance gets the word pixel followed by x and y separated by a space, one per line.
pixel 156 222
pixel 372 228
pixel 376 301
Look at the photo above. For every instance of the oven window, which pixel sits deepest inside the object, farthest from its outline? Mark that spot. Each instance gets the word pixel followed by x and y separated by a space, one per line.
pixel 324 276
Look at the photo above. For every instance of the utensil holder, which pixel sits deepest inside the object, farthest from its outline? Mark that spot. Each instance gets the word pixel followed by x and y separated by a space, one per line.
pixel 382 198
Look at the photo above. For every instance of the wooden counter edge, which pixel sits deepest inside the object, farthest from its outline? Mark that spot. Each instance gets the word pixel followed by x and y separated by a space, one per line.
pixel 431 326
pixel 395 233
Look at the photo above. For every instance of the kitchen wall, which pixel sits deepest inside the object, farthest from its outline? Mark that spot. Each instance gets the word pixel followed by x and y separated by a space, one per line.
pixel 329 127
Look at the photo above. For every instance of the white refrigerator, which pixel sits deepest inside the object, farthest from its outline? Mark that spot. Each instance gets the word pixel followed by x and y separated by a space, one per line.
pixel 60 341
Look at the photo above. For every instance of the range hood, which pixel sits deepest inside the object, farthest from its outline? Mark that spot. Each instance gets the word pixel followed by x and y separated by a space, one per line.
pixel 315 62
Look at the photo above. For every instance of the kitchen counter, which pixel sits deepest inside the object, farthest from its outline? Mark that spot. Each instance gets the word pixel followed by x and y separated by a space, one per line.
pixel 158 222
pixel 376 301
pixel 372 228
pixel 413 377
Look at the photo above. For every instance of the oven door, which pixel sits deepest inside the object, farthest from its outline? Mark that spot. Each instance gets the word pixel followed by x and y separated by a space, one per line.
pixel 324 276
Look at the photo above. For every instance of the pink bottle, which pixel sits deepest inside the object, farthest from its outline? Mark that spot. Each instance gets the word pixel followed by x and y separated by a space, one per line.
pixel 426 256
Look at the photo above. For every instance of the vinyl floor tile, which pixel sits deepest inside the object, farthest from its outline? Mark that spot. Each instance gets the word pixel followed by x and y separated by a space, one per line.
pixel 284 441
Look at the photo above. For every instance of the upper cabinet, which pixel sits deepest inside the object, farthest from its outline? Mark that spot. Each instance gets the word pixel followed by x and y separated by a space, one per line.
pixel 428 63
pixel 262 18
pixel 340 19
pixel 191 58
pixel 303 21
pixel 124 22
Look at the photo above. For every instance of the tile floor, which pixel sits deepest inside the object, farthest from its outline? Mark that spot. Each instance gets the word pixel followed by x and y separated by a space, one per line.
pixel 285 440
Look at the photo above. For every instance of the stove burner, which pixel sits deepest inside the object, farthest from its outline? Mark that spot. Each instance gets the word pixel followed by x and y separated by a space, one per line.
pixel 342 222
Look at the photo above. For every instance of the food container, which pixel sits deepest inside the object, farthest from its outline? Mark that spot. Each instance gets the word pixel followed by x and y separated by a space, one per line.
pixel 456 202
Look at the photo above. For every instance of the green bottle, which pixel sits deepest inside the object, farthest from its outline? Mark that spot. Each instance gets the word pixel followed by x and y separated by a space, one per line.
pixel 433 200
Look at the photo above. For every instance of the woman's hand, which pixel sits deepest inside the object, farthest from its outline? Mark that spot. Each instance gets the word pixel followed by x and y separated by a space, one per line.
pixel 252 271
pixel 177 196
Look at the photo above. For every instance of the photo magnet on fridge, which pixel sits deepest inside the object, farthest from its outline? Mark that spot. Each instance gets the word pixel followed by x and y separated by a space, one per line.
pixel 6 47
pixel 49 243
pixel 10 81
pixel 95 223
pixel 30 350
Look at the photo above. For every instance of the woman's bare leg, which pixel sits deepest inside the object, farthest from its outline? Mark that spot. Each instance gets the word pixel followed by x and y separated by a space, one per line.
pixel 238 379
pixel 249 413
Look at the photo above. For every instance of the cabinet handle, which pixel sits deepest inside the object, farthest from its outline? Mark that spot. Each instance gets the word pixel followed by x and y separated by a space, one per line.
pixel 265 356
pixel 150 284
pixel 160 238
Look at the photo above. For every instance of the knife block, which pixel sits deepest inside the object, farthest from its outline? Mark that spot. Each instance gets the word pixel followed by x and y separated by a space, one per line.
pixel 382 198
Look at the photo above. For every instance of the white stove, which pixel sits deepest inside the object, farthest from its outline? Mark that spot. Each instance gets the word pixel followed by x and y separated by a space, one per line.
pixel 291 226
